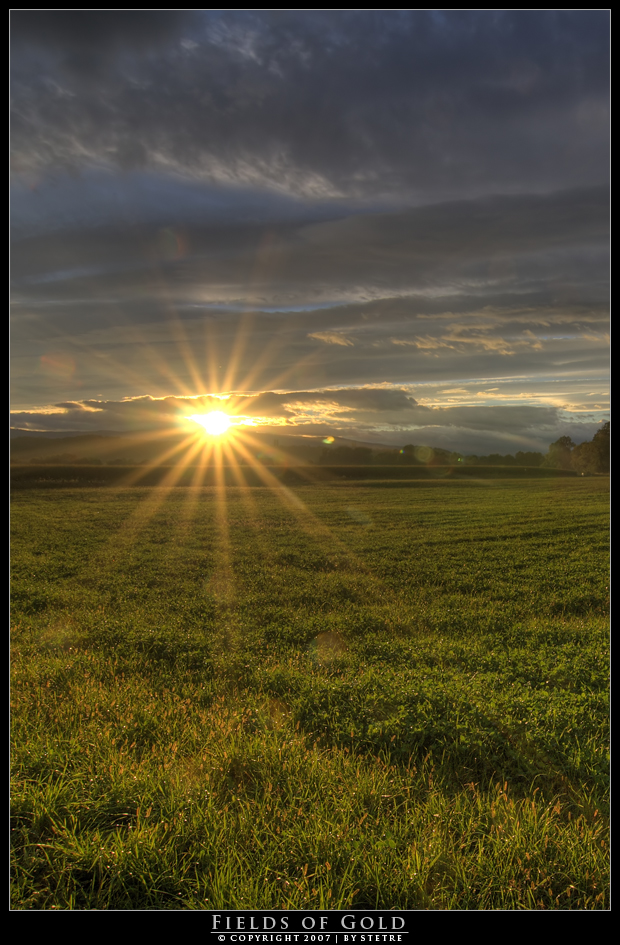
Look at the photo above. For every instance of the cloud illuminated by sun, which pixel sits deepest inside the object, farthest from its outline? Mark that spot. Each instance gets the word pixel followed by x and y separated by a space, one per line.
pixel 215 423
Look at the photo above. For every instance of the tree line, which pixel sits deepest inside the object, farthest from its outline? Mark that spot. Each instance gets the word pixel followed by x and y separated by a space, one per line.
pixel 586 458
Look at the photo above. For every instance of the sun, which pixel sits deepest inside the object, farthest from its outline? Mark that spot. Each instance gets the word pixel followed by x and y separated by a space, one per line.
pixel 215 423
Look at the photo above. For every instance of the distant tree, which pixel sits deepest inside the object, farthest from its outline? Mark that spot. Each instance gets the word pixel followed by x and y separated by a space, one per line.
pixel 61 459
pixel 585 459
pixel 439 457
pixel 601 441
pixel 559 455
pixel 528 459
pixel 593 457
pixel 386 457
pixel 493 459
pixel 407 457
pixel 496 459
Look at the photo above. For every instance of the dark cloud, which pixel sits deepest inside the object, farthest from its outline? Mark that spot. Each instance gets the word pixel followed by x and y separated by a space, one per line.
pixel 363 400
pixel 359 221
pixel 494 244
pixel 294 407
pixel 450 289
pixel 373 103
pixel 83 41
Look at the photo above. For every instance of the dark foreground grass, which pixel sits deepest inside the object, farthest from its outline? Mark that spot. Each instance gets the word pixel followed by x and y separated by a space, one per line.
pixel 337 696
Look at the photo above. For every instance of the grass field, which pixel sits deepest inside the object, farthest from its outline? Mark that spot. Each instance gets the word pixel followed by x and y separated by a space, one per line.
pixel 320 697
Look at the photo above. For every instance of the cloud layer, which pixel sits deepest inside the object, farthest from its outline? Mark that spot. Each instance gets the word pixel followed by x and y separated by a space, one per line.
pixel 320 104
pixel 414 203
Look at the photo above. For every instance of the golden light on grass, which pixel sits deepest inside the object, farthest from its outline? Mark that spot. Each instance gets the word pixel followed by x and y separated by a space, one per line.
pixel 215 423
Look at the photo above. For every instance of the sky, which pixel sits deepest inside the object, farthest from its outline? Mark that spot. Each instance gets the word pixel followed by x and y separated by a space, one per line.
pixel 388 226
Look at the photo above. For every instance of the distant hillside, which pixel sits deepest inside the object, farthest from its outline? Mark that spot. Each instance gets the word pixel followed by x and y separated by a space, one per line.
pixel 110 448
pixel 148 447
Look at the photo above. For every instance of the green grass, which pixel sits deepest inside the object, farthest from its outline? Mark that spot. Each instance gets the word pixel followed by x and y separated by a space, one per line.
pixel 326 697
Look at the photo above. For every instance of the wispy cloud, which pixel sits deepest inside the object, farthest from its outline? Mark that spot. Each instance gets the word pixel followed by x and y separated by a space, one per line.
pixel 331 338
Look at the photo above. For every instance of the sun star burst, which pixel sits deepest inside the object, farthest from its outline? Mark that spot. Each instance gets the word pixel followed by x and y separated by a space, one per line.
pixel 215 423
